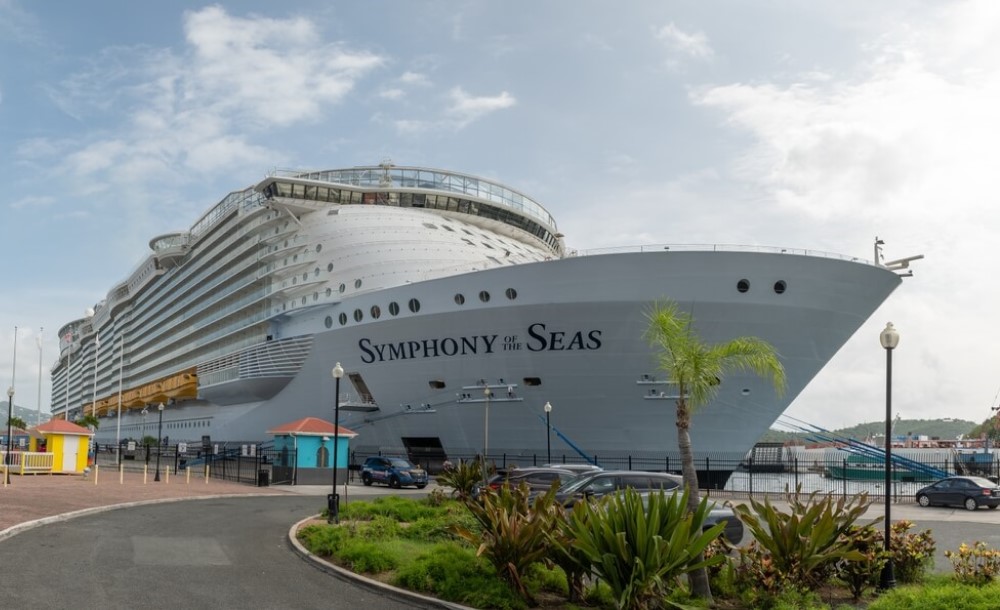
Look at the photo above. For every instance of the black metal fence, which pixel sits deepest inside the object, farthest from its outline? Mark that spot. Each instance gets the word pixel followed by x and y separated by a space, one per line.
pixel 238 462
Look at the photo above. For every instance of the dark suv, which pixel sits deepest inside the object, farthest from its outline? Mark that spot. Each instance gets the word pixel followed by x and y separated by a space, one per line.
pixel 394 472
pixel 602 482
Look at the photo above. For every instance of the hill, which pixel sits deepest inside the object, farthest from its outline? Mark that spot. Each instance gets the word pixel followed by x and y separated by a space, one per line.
pixel 946 428
pixel 28 415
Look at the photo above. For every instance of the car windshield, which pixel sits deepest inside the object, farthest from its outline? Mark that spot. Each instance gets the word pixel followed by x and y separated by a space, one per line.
pixel 574 484
pixel 399 463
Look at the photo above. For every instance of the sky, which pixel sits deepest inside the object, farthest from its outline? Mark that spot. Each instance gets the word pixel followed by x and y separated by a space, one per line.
pixel 811 125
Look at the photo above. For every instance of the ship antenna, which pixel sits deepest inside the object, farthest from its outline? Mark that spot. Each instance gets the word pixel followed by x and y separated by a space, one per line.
pixel 879 257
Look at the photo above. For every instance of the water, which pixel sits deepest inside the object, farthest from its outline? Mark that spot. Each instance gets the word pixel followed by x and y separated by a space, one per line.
pixel 811 481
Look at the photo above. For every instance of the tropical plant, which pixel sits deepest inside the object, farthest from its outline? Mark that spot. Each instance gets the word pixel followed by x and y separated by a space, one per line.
pixel 88 421
pixel 977 565
pixel 864 573
pixel 574 562
pixel 513 531
pixel 912 553
pixel 803 545
pixel 17 422
pixel 698 369
pixel 462 478
pixel 639 549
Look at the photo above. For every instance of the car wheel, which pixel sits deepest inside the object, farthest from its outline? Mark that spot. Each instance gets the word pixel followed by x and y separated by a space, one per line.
pixel 970 504
pixel 366 479
pixel 422 485
pixel 993 506
pixel 923 501
pixel 394 483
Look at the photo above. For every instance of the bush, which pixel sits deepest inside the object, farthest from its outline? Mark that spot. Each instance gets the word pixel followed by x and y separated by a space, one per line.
pixel 864 573
pixel 367 556
pixel 462 478
pixel 976 565
pixel 397 508
pixel 454 573
pixel 912 554
pixel 323 540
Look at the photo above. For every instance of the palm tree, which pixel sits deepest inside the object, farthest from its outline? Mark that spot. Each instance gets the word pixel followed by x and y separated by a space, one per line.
pixel 88 421
pixel 697 369
pixel 17 422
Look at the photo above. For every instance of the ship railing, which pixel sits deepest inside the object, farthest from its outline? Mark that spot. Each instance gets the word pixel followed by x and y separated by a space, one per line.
pixel 717 248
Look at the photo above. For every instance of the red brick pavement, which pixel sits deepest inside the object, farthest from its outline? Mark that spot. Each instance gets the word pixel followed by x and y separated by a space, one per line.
pixel 33 497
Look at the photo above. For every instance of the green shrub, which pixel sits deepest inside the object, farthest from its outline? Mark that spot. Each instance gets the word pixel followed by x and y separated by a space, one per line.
pixel 912 554
pixel 573 562
pixel 513 531
pixel 323 540
pixel 976 565
pixel 939 593
pixel 454 573
pixel 799 548
pixel 638 550
pixel 862 574
pixel 379 528
pixel 462 478
pixel 367 556
pixel 396 507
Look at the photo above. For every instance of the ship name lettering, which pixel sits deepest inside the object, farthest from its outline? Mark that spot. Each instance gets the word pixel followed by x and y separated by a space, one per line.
pixel 426 348
pixel 542 340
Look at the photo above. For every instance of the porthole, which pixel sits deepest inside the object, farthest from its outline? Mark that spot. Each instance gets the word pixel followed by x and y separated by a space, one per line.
pixel 286 243
pixel 342 288
pixel 315 296
pixel 394 308
pixel 295 258
pixel 780 286
pixel 376 312
pixel 295 280
pixel 484 296
pixel 743 285
pixel 329 291
pixel 511 294
pixel 328 322
pixel 329 268
pixel 460 299
pixel 319 248
pixel 305 276
pixel 343 318
pixel 303 300
pixel 357 283
pixel 316 272
pixel 358 315
pixel 414 305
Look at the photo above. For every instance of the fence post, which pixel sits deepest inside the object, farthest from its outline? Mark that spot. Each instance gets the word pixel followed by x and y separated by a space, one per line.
pixel 795 465
pixel 630 461
pixel 750 474
pixel 844 473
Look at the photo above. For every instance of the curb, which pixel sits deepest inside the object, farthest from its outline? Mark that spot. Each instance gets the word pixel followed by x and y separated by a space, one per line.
pixel 404 595
pixel 14 530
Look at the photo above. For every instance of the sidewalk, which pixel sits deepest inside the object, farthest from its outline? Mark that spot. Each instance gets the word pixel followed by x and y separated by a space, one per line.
pixel 32 497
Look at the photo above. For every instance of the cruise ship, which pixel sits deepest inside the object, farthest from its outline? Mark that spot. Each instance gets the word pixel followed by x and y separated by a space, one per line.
pixel 456 311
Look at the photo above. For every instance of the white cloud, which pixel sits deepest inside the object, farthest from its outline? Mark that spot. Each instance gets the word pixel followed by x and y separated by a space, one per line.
pixel 33 202
pixel 465 108
pixel 391 94
pixel 415 78
pixel 693 44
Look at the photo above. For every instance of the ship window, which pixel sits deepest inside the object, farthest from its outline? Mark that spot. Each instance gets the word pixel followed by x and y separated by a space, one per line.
pixel 468 241
pixel 448 228
pixel 295 280
pixel 329 291
pixel 316 272
pixel 484 296
pixel 460 299
pixel 358 315
pixel 780 286
pixel 743 285
pixel 305 276
pixel 286 243
pixel 319 248
pixel 532 381
pixel 342 288
pixel 303 300
pixel 357 283
pixel 511 294
pixel 394 308
pixel 430 225
pixel 468 232
pixel 414 305
pixel 295 258
pixel 328 322
pixel 487 245
pixel 436 384
pixel 376 312
pixel 315 296
pixel 329 268
pixel 343 318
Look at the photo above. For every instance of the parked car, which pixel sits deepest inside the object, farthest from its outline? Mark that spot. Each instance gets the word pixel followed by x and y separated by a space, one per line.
pixel 577 468
pixel 392 471
pixel 602 482
pixel 537 479
pixel 970 492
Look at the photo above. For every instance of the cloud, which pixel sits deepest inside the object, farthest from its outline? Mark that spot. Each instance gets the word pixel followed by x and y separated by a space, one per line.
pixel 32 202
pixel 465 108
pixel 690 44
pixel 415 78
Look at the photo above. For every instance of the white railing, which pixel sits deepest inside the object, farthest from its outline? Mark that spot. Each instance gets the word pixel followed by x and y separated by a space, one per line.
pixel 29 462
pixel 717 248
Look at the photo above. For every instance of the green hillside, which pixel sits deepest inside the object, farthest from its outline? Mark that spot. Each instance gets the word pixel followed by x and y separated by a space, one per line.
pixel 932 428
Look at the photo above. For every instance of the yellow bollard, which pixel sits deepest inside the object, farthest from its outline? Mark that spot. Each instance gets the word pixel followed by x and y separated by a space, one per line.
pixel 168 473
pixel 207 468
pixel 188 475
pixel 145 473
pixel 121 474
pixel 97 469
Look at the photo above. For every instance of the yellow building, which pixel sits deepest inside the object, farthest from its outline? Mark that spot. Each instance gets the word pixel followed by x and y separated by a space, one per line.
pixel 68 442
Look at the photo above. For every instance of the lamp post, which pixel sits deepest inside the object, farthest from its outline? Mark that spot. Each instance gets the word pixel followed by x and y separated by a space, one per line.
pixel 548 432
pixel 159 439
pixel 333 500
pixel 145 412
pixel 486 431
pixel 889 338
pixel 10 414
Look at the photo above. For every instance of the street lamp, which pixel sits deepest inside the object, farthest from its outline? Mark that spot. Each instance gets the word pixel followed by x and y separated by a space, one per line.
pixel 889 338
pixel 145 412
pixel 548 432
pixel 10 415
pixel 333 500
pixel 159 440
pixel 486 430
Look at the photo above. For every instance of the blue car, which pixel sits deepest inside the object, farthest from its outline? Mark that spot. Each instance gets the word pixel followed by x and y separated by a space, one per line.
pixel 394 472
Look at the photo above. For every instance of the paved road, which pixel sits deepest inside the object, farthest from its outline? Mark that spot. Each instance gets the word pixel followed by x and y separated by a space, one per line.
pixel 219 553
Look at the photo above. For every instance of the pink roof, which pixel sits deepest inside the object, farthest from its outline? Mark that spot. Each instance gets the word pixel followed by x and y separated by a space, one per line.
pixel 61 426
pixel 311 426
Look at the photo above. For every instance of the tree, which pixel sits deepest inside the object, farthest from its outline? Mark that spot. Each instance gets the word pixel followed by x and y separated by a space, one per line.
pixel 698 369
pixel 17 422
pixel 88 421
